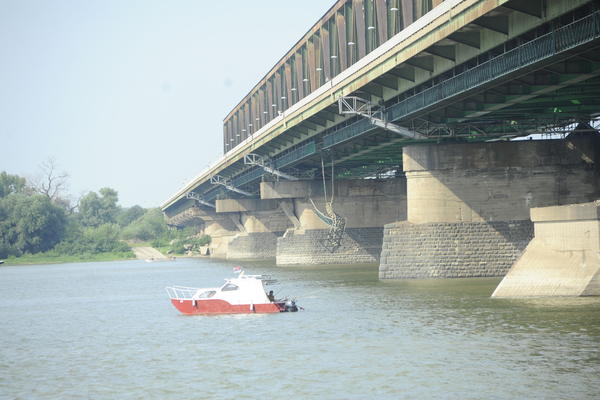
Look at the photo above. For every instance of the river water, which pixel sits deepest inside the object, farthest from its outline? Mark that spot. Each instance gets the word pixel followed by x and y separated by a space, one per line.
pixel 108 331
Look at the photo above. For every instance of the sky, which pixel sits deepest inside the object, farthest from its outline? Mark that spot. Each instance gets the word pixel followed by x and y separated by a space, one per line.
pixel 129 94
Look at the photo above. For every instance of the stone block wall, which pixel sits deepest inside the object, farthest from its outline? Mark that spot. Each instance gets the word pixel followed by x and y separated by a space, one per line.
pixel 452 250
pixel 358 246
pixel 254 246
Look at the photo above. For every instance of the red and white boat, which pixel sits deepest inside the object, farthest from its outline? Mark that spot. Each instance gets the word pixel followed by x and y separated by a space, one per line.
pixel 242 295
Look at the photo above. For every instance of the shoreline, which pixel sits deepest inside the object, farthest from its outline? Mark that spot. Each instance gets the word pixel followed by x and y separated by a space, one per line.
pixel 40 259
pixel 59 259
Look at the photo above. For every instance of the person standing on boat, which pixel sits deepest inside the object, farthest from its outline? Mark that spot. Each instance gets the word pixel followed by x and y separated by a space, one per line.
pixel 271 296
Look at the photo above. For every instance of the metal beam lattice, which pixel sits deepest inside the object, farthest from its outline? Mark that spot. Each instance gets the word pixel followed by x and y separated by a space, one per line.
pixel 353 105
pixel 200 200
pixel 258 160
pixel 219 180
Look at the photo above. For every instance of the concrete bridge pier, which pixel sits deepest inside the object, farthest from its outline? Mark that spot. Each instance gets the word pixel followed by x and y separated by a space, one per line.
pixel 468 204
pixel 221 228
pixel 563 259
pixel 366 206
pixel 259 222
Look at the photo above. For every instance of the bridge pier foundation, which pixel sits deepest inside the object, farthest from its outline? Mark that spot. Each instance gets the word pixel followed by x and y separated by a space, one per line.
pixel 563 259
pixel 366 205
pixel 221 229
pixel 468 204
pixel 261 222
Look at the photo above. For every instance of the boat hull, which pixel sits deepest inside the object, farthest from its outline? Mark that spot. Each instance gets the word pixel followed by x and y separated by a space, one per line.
pixel 215 306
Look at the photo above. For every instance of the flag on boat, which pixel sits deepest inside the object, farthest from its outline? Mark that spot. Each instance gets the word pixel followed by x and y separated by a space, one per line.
pixel 237 269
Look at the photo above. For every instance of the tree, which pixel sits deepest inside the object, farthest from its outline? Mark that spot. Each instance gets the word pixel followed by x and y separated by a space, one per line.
pixel 29 224
pixel 50 182
pixel 54 185
pixel 148 227
pixel 11 184
pixel 128 215
pixel 96 210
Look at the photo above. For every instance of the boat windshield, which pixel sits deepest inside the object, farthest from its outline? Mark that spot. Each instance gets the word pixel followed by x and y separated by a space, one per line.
pixel 207 294
pixel 229 287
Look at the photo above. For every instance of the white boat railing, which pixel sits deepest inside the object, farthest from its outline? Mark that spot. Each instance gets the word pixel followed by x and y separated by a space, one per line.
pixel 181 292
pixel 266 279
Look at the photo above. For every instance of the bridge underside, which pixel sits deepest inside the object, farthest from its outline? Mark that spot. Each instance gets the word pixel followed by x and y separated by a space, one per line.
pixel 542 101
pixel 558 94
pixel 544 80
pixel 513 72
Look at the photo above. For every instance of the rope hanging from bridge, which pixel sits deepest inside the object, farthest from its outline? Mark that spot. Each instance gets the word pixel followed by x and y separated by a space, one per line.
pixel 337 223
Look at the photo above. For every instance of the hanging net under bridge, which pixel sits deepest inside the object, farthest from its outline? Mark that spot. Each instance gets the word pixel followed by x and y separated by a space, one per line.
pixel 337 226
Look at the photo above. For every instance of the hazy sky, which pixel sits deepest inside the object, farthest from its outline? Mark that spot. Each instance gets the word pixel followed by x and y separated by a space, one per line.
pixel 132 94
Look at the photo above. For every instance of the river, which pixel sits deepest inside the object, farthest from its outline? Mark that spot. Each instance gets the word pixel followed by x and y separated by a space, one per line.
pixel 108 331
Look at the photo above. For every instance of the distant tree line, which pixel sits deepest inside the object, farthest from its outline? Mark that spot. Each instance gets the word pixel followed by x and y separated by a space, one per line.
pixel 38 217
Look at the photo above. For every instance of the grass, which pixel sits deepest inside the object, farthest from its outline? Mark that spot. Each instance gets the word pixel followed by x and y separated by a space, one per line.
pixel 135 243
pixel 165 250
pixel 50 258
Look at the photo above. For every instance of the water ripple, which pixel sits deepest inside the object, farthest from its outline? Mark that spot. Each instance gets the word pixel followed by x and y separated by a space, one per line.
pixel 106 330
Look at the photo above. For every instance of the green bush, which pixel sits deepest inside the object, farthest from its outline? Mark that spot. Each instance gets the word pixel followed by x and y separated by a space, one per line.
pixel 200 241
pixel 102 239
pixel 193 243
pixel 149 226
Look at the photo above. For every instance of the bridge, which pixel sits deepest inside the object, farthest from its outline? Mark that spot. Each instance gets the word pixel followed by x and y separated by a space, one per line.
pixel 389 134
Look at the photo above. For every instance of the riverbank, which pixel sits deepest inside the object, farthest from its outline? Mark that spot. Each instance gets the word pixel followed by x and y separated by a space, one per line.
pixel 148 253
pixel 45 258
pixel 140 251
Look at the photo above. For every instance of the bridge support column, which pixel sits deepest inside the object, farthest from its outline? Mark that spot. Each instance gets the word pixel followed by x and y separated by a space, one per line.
pixel 261 222
pixel 468 204
pixel 563 259
pixel 366 206
pixel 220 228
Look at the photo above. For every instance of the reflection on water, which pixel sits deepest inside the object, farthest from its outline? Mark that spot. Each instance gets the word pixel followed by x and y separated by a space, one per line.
pixel 107 330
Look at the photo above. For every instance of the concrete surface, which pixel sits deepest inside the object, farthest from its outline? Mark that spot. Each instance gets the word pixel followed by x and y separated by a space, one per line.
pixel 563 259
pixel 148 253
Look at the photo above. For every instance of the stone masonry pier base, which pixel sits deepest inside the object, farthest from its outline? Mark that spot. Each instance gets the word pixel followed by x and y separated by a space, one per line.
pixel 468 204
pixel 366 204
pixel 451 250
